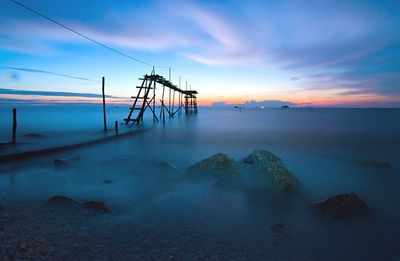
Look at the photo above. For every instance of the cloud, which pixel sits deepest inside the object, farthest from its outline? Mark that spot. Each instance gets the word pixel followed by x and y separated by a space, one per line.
pixel 14 76
pixel 255 104
pixel 218 104
pixel 266 103
pixel 46 72
pixel 8 103
pixel 51 93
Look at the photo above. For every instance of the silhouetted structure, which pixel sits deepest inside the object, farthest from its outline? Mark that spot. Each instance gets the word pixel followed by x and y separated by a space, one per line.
pixel 146 98
pixel 190 101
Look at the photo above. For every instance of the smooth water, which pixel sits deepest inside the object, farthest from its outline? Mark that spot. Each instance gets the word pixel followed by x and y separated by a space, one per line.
pixel 159 215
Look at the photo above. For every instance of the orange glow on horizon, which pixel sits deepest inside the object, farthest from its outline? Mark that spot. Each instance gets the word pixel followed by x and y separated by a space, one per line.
pixel 299 101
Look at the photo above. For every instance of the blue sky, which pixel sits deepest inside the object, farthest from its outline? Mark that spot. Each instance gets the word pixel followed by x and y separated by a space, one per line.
pixel 310 53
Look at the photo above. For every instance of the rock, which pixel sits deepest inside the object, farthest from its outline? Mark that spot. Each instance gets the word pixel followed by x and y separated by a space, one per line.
pixel 278 228
pixel 169 171
pixel 107 181
pixel 272 167
pixel 285 107
pixel 60 163
pixel 65 201
pixel 215 165
pixel 377 164
pixel 34 135
pixel 96 206
pixel 342 206
pixel 59 199
pixel 163 165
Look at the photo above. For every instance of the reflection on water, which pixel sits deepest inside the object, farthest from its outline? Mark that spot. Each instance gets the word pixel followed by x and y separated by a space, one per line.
pixel 159 214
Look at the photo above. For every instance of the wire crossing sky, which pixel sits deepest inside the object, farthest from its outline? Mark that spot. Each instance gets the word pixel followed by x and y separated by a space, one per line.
pixel 303 53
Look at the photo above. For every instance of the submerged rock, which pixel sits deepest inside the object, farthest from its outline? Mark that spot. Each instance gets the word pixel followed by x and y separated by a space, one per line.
pixel 58 199
pixel 342 206
pixel 377 164
pixel 60 163
pixel 216 164
pixel 165 166
pixel 96 206
pixel 272 167
pixel 34 135
pixel 107 181
pixel 278 228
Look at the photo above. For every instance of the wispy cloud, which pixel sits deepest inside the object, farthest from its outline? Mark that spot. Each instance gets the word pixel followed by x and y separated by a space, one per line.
pixel 255 104
pixel 47 72
pixel 51 93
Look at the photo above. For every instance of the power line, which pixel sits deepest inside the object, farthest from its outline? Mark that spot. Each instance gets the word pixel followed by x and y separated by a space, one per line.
pixel 80 34
pixel 89 38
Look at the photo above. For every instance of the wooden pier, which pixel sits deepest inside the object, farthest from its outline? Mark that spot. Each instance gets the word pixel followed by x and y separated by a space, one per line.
pixel 146 99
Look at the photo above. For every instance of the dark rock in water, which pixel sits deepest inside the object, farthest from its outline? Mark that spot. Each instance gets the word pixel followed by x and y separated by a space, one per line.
pixel 60 163
pixel 163 165
pixel 34 135
pixel 285 107
pixel 377 164
pixel 216 164
pixel 169 171
pixel 96 206
pixel 58 199
pixel 278 228
pixel 107 181
pixel 342 206
pixel 271 166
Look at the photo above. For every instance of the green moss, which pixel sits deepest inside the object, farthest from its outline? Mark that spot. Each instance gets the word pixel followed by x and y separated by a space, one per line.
pixel 216 164
pixel 272 167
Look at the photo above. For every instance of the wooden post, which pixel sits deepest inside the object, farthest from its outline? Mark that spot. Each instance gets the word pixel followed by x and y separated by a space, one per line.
pixel 104 104
pixel 116 127
pixel 14 128
pixel 154 101
pixel 173 104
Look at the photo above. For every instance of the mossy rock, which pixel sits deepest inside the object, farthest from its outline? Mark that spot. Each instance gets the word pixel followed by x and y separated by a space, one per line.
pixel 342 206
pixel 216 165
pixel 272 167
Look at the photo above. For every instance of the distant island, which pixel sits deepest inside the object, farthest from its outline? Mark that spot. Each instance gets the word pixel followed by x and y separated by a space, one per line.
pixel 285 107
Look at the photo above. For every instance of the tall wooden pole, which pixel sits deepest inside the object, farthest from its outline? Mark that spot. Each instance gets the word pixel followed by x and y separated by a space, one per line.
pixel 104 103
pixel 154 100
pixel 14 129
pixel 116 127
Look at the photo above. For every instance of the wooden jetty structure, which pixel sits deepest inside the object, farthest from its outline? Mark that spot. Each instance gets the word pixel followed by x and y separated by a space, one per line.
pixel 146 99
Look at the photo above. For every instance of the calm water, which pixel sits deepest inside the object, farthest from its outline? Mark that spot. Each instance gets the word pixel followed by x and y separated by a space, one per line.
pixel 156 215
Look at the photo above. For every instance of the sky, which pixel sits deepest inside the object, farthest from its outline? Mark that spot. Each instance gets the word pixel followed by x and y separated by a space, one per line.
pixel 303 53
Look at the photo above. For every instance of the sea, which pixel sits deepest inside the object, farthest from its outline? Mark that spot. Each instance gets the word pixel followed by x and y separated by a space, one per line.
pixel 158 214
